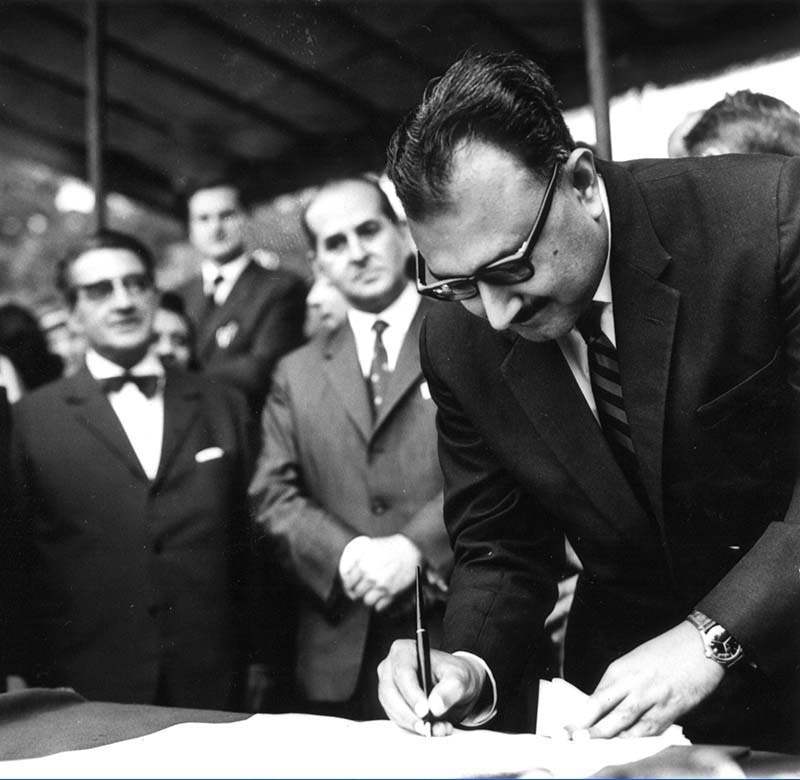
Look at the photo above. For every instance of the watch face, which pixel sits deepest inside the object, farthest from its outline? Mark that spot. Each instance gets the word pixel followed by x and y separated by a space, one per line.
pixel 724 647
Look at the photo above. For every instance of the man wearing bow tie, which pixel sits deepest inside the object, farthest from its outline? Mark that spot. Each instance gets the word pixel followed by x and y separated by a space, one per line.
pixel 130 534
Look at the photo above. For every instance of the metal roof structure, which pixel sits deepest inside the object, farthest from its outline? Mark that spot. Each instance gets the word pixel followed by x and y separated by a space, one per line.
pixel 282 94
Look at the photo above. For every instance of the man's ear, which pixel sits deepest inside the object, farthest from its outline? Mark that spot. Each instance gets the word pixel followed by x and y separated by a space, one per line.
pixel 580 172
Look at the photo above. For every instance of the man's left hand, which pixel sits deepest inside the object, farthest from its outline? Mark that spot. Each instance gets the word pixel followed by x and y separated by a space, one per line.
pixel 649 688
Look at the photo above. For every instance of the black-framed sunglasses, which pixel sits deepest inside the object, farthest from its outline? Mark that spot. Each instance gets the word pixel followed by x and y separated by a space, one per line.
pixel 511 269
pixel 135 284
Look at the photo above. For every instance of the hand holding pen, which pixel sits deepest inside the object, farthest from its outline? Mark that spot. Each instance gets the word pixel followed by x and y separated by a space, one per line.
pixel 453 686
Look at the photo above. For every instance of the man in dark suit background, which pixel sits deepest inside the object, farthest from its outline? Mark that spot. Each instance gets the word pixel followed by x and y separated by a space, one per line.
pixel 348 487
pixel 131 539
pixel 624 368
pixel 246 315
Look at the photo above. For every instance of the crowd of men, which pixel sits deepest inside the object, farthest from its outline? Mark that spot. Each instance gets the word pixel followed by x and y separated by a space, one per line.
pixel 225 508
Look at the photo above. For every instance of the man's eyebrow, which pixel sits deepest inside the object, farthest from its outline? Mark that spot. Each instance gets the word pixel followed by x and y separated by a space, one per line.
pixel 500 256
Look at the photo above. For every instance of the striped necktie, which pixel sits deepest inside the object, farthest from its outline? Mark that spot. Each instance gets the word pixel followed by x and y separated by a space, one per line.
pixel 379 369
pixel 607 390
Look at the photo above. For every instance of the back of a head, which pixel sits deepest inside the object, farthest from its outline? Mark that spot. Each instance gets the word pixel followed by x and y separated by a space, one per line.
pixel 502 99
pixel 746 123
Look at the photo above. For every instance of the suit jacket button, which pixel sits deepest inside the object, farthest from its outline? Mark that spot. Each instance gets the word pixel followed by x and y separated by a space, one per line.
pixel 152 610
pixel 379 506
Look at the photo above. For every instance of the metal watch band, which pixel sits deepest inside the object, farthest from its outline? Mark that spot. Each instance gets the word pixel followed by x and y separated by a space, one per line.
pixel 718 643
pixel 700 621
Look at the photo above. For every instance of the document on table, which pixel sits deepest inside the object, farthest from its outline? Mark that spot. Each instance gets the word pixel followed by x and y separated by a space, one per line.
pixel 302 746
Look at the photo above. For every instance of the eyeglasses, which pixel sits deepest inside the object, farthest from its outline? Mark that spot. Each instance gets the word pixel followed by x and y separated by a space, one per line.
pixel 135 285
pixel 511 269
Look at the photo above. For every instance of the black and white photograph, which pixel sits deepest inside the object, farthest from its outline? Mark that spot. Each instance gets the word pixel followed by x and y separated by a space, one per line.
pixel 399 388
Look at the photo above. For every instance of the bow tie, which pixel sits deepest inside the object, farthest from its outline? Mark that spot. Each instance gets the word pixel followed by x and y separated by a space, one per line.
pixel 147 384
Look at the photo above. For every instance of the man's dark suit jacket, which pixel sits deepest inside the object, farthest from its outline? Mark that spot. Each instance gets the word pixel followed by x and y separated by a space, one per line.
pixel 705 274
pixel 261 320
pixel 128 583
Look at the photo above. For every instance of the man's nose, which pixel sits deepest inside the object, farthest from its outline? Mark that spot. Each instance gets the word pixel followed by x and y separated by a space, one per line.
pixel 500 305
pixel 355 247
pixel 122 297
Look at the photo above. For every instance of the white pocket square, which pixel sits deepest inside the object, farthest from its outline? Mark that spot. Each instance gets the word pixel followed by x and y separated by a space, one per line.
pixel 210 453
pixel 425 391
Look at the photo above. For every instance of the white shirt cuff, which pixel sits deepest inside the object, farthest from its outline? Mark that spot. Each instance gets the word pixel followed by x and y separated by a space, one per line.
pixel 481 717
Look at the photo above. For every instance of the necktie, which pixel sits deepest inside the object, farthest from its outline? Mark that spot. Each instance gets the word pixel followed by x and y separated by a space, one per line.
pixel 607 390
pixel 211 298
pixel 147 384
pixel 379 369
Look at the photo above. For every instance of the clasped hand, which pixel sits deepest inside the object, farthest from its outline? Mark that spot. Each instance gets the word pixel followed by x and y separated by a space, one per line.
pixel 380 569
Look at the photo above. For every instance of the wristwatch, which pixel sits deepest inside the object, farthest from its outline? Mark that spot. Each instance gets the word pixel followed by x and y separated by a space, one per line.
pixel 719 644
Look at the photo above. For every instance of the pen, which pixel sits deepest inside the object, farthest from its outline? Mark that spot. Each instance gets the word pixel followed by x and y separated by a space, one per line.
pixel 423 646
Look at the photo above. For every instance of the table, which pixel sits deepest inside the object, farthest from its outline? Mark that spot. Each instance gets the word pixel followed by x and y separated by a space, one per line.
pixel 41 722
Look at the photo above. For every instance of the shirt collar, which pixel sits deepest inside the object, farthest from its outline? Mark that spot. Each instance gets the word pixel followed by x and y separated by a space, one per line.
pixel 103 368
pixel 230 271
pixel 397 315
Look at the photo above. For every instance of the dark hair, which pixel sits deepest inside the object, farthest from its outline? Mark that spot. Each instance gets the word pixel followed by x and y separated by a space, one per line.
pixel 502 99
pixel 747 122
pixel 104 238
pixel 23 342
pixel 211 184
pixel 371 181
pixel 172 301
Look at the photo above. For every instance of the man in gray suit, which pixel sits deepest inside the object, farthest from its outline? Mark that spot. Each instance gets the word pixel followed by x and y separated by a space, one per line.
pixel 348 486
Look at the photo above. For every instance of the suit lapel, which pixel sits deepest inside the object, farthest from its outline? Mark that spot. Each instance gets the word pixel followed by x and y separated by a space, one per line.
pixel 542 383
pixel 645 315
pixel 93 411
pixel 344 373
pixel 181 406
pixel 407 371
pixel 194 300
pixel 228 313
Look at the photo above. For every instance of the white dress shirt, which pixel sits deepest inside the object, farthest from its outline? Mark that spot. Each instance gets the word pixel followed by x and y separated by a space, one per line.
pixel 228 274
pixel 397 316
pixel 141 417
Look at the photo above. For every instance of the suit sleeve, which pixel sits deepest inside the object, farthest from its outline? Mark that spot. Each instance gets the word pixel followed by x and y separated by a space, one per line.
pixel 507 551
pixel 426 530
pixel 307 540
pixel 758 601
pixel 279 332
